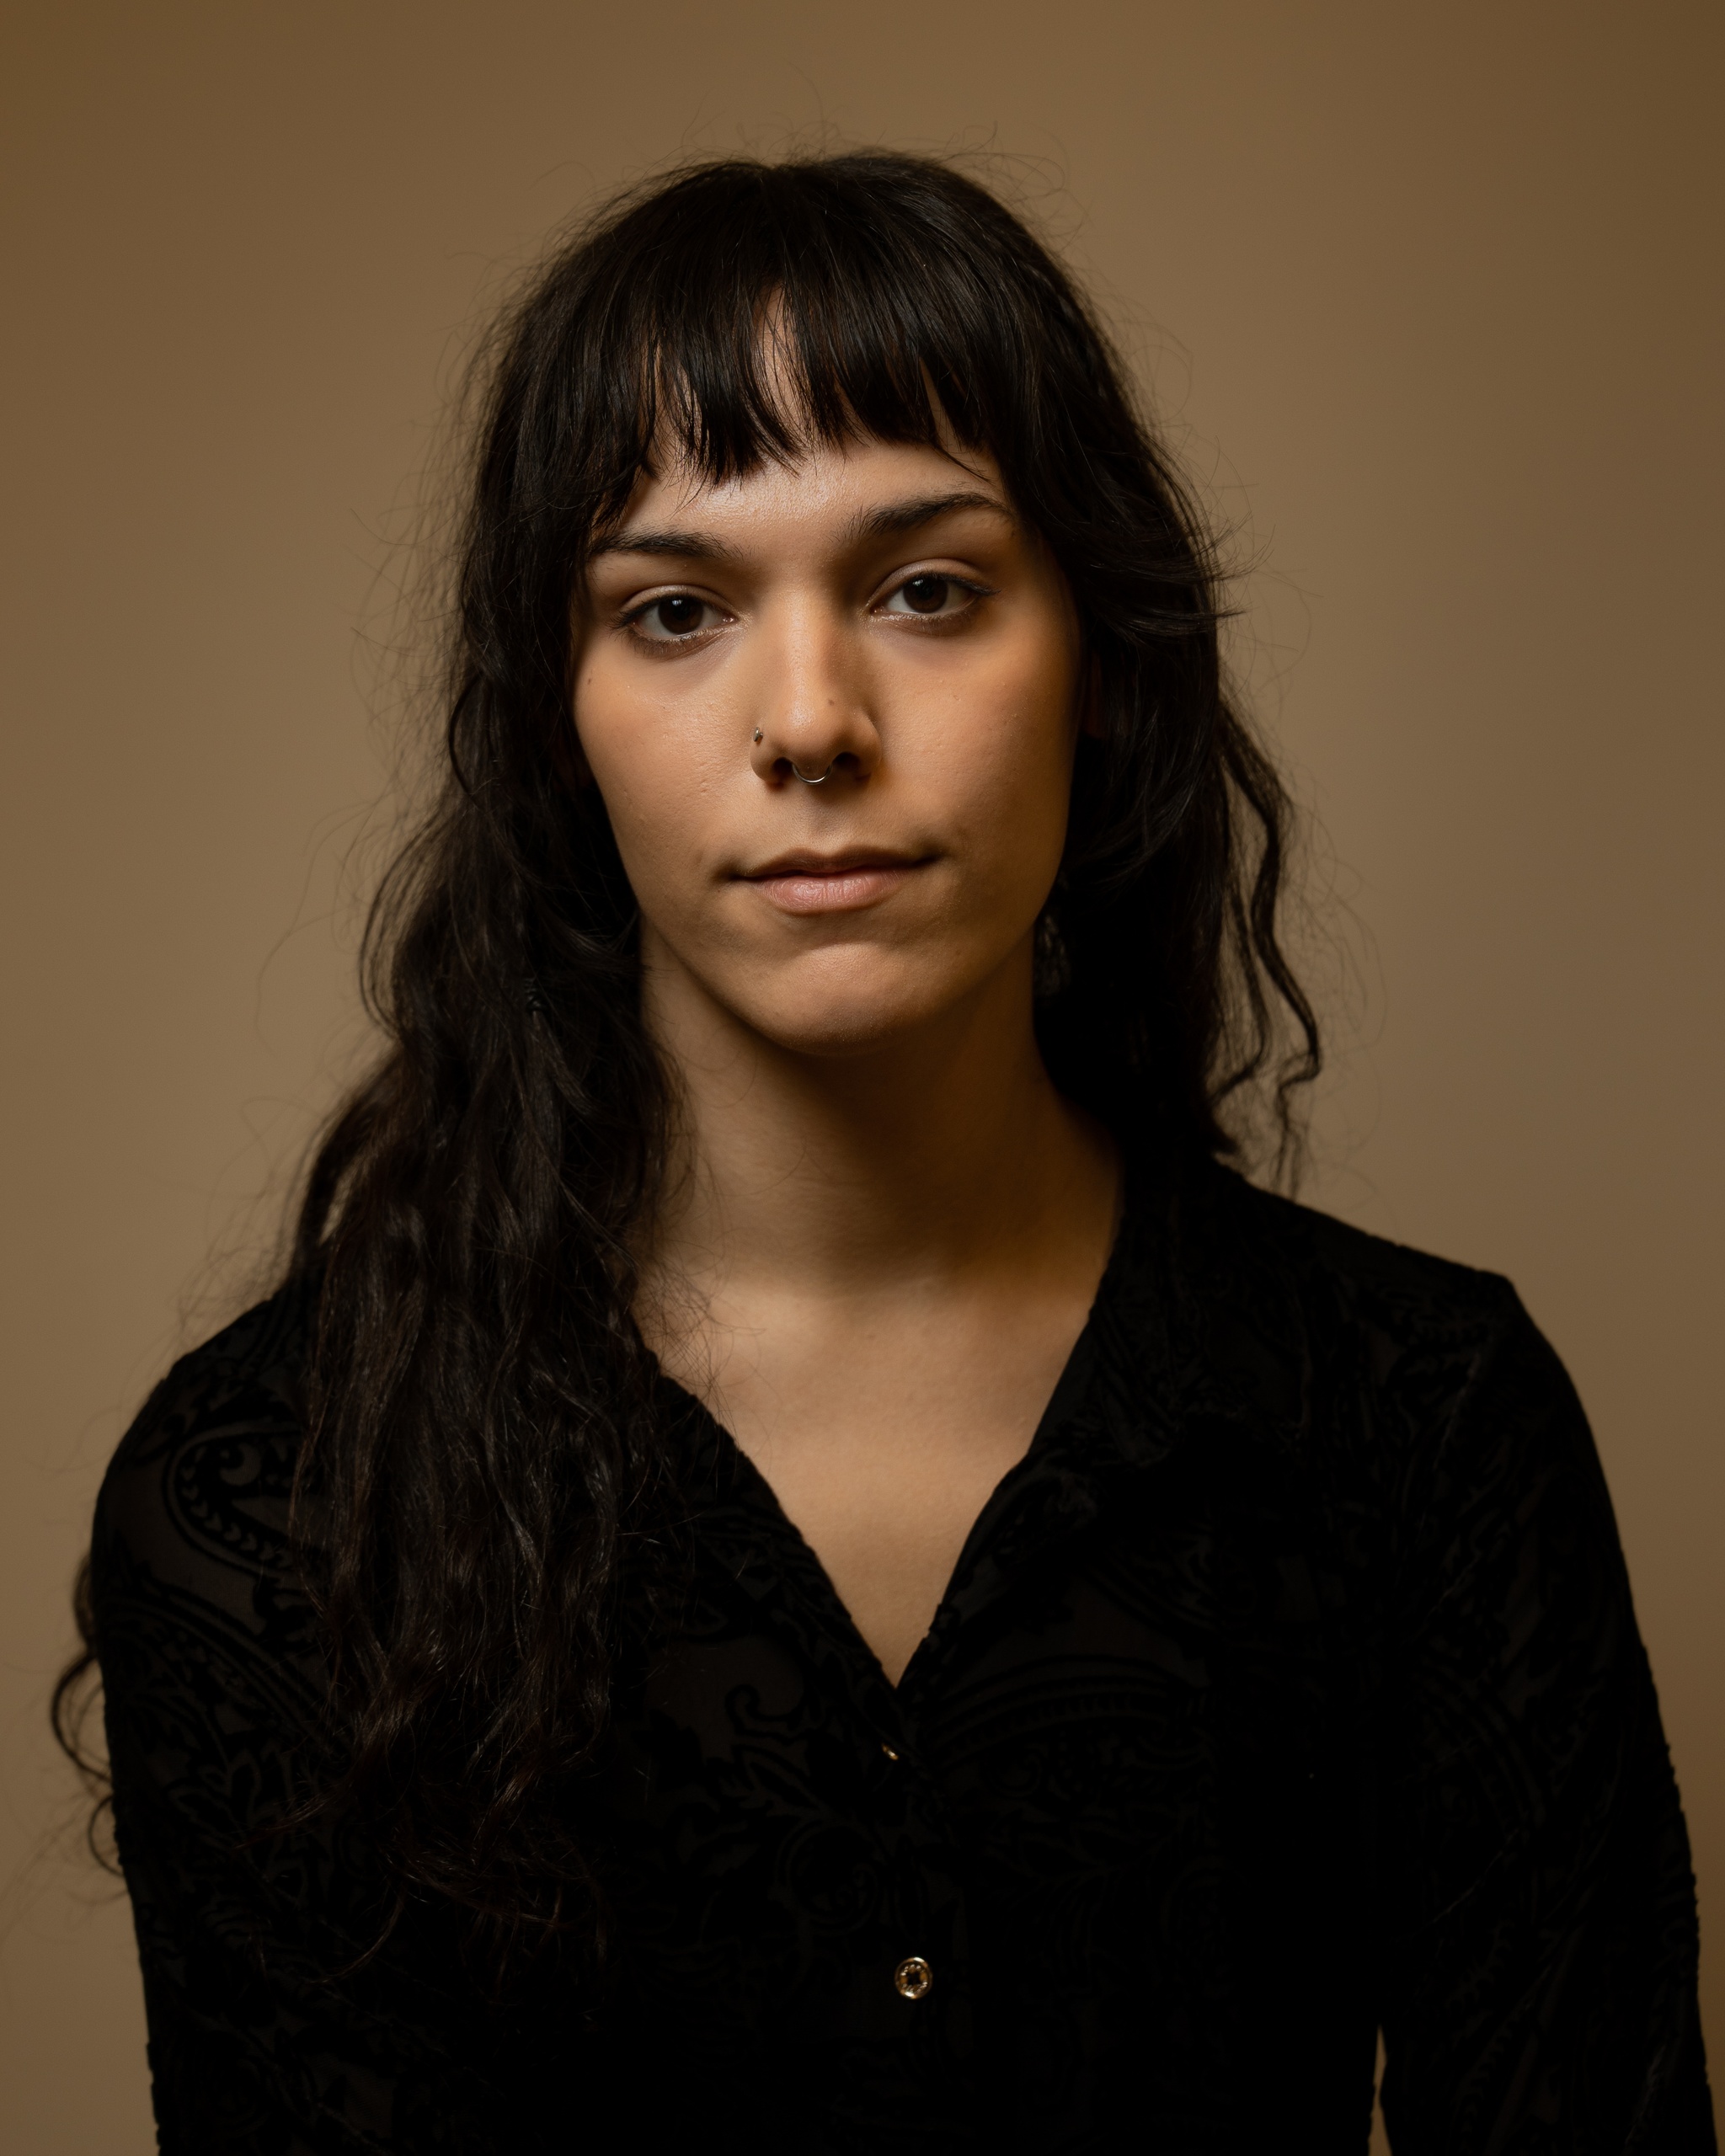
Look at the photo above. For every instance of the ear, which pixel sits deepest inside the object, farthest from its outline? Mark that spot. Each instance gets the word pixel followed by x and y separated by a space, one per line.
pixel 567 756
pixel 568 759
pixel 1090 699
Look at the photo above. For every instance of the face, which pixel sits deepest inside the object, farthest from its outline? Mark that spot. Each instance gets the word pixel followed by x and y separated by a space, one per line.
pixel 831 708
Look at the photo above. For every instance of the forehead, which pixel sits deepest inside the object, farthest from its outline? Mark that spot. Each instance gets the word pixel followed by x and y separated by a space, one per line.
pixel 826 483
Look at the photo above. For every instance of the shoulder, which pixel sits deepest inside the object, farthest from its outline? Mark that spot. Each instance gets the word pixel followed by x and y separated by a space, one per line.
pixel 1333 1282
pixel 1403 1411
pixel 192 1524
pixel 1347 1346
pixel 1337 1274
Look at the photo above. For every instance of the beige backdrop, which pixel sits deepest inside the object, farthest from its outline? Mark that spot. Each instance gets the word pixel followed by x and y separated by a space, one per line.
pixel 1428 294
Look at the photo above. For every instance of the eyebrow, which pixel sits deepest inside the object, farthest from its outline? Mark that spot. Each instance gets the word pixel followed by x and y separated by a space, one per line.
pixel 889 519
pixel 684 546
pixel 893 517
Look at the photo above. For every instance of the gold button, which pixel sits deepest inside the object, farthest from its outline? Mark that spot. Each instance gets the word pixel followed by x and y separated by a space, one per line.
pixel 914 1977
pixel 890 1754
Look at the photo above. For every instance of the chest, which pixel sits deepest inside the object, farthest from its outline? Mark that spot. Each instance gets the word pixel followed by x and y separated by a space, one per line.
pixel 1101 1816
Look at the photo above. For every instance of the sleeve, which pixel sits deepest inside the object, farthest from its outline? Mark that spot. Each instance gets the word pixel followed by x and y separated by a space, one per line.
pixel 1540 1935
pixel 264 2039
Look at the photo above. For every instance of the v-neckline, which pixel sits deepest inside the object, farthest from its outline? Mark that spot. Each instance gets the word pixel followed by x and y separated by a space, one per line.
pixel 736 1481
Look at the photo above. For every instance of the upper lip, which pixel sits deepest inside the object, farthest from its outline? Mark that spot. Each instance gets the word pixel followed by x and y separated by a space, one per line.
pixel 802 861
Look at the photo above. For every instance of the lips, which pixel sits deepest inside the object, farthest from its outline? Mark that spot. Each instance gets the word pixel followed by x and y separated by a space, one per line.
pixel 839 882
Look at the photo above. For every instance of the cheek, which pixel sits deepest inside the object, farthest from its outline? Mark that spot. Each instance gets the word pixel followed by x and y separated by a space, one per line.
pixel 653 778
pixel 1007 762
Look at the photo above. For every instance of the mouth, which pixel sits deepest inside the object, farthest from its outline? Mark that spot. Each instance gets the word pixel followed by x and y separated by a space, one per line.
pixel 810 883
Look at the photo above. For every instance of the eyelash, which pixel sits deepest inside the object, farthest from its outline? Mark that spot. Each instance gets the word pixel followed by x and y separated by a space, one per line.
pixel 963 583
pixel 631 621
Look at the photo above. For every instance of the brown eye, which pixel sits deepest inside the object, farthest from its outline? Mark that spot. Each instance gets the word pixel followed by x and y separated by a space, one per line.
pixel 678 616
pixel 946 599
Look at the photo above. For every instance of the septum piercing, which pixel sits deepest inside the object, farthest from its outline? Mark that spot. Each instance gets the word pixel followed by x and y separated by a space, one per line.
pixel 802 774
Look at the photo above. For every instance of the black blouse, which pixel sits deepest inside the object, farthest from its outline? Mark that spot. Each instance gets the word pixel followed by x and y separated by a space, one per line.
pixel 1288 1689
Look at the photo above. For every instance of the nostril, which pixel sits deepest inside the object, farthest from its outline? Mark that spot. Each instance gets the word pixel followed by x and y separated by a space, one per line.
pixel 846 761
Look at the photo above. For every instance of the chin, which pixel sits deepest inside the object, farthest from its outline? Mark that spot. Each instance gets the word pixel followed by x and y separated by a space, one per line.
pixel 852 1016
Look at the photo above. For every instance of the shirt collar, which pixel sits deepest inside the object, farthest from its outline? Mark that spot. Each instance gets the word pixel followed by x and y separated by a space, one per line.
pixel 1195 1325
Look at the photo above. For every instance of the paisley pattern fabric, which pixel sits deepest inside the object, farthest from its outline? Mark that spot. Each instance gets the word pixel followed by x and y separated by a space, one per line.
pixel 1288 1689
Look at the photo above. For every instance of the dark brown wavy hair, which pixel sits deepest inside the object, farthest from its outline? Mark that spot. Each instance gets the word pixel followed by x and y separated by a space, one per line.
pixel 484 1462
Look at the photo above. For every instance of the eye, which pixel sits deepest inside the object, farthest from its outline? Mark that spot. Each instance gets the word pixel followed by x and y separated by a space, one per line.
pixel 932 597
pixel 674 619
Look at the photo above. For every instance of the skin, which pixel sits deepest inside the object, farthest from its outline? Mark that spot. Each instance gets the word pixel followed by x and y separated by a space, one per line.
pixel 886 1227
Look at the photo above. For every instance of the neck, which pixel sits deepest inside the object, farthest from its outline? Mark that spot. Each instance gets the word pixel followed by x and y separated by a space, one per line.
pixel 942 1152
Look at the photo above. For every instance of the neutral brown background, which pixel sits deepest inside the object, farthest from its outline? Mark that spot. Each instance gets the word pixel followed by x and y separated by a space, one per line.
pixel 1429 296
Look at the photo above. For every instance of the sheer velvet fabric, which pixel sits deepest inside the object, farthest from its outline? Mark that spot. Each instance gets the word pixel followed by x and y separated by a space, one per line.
pixel 1290 1688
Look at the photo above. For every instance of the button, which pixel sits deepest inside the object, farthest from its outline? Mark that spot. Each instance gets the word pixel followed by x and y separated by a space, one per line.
pixel 890 1754
pixel 913 1977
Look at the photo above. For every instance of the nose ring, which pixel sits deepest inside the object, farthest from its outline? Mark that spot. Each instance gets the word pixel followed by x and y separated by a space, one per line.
pixel 801 773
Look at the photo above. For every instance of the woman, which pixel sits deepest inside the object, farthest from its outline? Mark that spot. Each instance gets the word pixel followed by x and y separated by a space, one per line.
pixel 795 1559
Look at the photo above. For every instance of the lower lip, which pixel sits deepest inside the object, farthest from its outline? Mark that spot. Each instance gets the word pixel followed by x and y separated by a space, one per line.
pixel 846 890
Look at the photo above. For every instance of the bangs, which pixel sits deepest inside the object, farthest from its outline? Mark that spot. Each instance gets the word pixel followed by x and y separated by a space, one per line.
pixel 765 310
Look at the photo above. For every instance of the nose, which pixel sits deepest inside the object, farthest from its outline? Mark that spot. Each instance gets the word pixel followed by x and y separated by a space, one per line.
pixel 813 719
